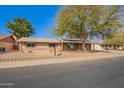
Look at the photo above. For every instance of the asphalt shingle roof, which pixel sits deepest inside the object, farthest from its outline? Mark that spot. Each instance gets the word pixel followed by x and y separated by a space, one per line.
pixel 47 40
pixel 3 36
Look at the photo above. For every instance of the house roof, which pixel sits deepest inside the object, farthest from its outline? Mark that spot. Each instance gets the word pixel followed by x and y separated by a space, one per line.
pixel 7 38
pixel 51 40
pixel 45 40
pixel 3 36
pixel 61 40
pixel 64 40
pixel 107 43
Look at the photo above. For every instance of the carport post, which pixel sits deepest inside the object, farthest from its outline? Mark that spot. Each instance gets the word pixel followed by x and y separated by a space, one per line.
pixel 20 47
pixel 54 50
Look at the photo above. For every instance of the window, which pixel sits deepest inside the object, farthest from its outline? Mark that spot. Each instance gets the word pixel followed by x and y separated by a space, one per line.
pixel 70 46
pixel 110 46
pixel 52 45
pixel 2 49
pixel 31 44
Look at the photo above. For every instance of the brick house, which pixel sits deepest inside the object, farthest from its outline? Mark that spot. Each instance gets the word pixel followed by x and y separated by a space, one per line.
pixel 7 43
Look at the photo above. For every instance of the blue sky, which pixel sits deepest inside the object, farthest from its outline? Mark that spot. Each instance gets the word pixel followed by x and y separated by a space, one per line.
pixel 43 18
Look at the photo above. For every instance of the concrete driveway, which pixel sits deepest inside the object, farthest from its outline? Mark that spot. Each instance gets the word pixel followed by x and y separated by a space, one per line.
pixel 79 74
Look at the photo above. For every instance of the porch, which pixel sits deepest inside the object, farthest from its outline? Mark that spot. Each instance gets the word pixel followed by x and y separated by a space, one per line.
pixel 75 46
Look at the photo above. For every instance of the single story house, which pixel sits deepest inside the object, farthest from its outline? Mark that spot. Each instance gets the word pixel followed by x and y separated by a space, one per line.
pixel 111 46
pixel 7 43
pixel 46 45
pixel 104 45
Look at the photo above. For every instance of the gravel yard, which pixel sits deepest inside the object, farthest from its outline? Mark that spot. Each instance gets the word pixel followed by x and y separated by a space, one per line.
pixel 23 56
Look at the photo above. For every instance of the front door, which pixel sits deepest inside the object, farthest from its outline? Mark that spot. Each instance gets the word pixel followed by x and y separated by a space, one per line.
pixel 88 47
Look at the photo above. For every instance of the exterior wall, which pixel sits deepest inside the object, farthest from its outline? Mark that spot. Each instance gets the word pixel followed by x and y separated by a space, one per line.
pixel 8 43
pixel 40 47
pixel 96 47
pixel 8 46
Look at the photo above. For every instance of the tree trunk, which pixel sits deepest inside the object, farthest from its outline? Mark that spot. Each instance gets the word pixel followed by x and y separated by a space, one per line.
pixel 83 43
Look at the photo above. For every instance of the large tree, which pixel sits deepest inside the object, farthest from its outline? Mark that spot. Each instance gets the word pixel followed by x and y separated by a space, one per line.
pixel 85 22
pixel 20 27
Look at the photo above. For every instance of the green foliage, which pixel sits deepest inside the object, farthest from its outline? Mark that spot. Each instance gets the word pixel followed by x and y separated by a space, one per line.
pixel 117 37
pixel 20 27
pixel 84 22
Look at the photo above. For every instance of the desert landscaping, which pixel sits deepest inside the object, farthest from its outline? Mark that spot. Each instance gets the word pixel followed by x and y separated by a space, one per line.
pixel 23 59
pixel 27 56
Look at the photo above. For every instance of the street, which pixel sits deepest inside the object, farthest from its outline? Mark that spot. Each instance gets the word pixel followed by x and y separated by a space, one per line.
pixel 97 73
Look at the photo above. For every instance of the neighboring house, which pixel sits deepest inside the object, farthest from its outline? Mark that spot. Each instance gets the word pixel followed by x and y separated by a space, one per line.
pixel 111 46
pixel 7 43
pixel 46 45
pixel 104 45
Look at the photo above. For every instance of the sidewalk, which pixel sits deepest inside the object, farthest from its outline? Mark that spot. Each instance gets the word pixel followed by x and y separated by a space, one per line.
pixel 53 61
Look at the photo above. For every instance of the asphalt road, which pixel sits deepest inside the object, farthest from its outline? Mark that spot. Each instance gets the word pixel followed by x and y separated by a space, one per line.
pixel 103 73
